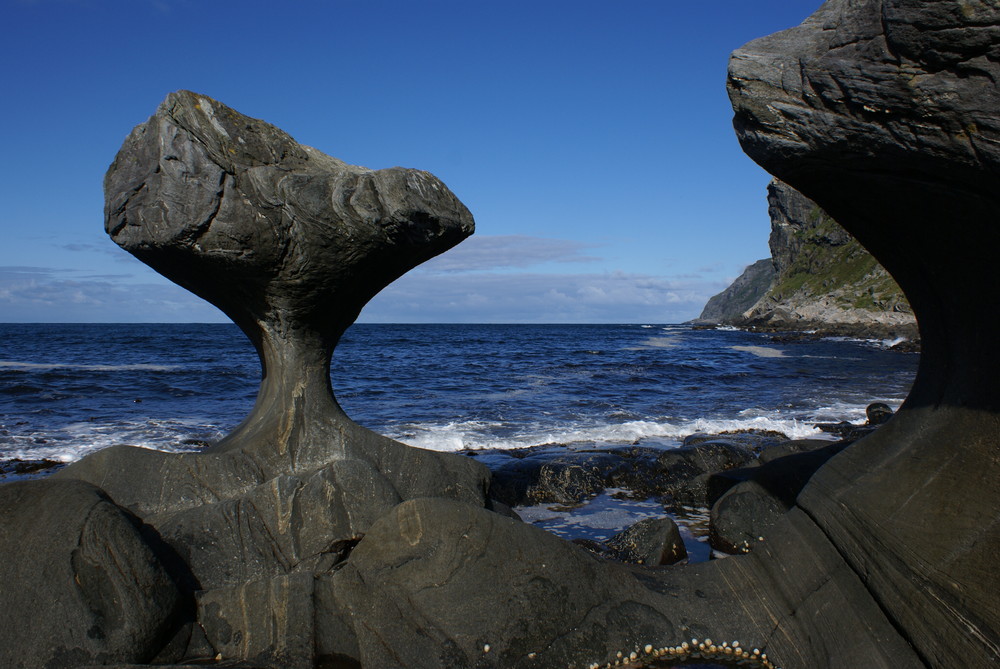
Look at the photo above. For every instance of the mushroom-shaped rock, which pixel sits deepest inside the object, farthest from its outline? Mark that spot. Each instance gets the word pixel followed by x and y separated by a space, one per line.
pixel 287 241
pixel 291 244
pixel 887 114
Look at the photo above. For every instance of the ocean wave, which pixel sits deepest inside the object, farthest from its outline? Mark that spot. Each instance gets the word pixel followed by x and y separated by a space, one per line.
pixel 655 342
pixel 760 351
pixel 46 366
pixel 479 435
pixel 875 343
pixel 76 440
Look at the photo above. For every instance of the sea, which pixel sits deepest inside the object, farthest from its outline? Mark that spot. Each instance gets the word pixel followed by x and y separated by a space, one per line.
pixel 67 390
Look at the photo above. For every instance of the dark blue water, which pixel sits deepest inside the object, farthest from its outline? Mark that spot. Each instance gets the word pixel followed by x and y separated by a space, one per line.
pixel 66 390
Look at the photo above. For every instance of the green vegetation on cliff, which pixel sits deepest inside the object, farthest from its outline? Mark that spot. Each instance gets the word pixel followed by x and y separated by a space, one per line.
pixel 820 276
pixel 843 272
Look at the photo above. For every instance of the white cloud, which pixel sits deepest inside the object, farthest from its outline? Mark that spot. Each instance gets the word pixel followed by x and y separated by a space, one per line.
pixel 616 297
pixel 505 279
pixel 507 251
pixel 44 295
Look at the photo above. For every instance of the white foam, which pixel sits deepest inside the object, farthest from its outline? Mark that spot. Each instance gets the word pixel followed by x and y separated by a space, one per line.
pixel 45 366
pixel 655 342
pixel 603 512
pixel 877 343
pixel 760 351
pixel 76 440
pixel 475 435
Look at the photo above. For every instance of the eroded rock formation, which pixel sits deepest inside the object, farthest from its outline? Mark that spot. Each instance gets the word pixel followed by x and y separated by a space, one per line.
pixel 291 244
pixel 305 541
pixel 886 114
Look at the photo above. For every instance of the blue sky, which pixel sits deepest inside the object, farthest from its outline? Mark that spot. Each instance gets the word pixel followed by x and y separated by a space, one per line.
pixel 591 140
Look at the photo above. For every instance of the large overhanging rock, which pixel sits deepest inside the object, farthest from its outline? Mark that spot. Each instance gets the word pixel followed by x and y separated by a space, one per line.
pixel 287 241
pixel 887 114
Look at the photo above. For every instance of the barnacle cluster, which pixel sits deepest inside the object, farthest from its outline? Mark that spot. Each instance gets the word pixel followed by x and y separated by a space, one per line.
pixel 649 657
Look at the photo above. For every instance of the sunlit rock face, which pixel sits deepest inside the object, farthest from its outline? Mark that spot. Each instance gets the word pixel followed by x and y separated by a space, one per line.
pixel 289 242
pixel 887 114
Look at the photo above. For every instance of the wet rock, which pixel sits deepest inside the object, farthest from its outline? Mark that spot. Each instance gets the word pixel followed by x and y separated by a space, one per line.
pixel 81 583
pixel 19 467
pixel 759 496
pixel 752 438
pixel 553 474
pixel 791 447
pixel 878 413
pixel 651 541
pixel 686 471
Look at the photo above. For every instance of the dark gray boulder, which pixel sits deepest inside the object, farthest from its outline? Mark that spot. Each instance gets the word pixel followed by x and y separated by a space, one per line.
pixel 436 583
pixel 81 584
pixel 651 541
pixel 759 496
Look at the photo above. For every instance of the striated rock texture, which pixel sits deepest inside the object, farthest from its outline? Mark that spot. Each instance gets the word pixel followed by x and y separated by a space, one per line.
pixel 821 279
pixel 290 243
pixel 887 114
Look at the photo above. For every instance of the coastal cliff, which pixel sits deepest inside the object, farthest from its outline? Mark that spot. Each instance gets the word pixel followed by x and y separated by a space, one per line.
pixel 818 278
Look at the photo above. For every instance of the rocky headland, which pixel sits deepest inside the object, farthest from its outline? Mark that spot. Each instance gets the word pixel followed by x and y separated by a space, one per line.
pixel 818 279
pixel 304 540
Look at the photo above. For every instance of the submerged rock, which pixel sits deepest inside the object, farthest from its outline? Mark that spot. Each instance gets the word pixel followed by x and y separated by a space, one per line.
pixel 554 474
pixel 652 541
